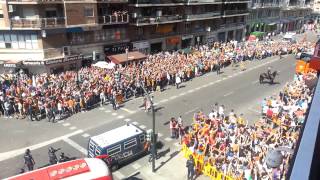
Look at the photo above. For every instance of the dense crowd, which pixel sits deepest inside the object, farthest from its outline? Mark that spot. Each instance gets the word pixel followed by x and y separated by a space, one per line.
pixel 51 95
pixel 238 149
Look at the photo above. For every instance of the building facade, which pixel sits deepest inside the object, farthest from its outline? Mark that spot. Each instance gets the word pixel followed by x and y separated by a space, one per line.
pixel 58 35
pixel 277 15
pixel 174 24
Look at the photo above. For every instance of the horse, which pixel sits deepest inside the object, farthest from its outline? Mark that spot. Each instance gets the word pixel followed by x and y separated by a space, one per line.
pixel 271 78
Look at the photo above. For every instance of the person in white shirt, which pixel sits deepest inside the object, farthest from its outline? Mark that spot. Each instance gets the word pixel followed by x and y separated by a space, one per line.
pixel 178 81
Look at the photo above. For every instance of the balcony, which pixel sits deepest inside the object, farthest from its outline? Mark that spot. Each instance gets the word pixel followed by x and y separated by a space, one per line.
pixel 158 20
pixel 34 1
pixel 114 19
pixel 211 15
pixel 147 3
pixel 230 13
pixel 112 1
pixel 230 25
pixel 37 23
pixel 265 5
pixel 197 2
pixel 236 1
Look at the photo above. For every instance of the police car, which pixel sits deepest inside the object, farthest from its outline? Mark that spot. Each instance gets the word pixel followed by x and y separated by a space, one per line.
pixel 119 145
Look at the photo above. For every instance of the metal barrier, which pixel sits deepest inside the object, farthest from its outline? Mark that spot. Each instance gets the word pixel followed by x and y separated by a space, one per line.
pixel 204 167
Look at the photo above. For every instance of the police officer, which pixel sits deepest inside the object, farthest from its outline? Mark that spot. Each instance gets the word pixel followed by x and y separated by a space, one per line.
pixel 63 158
pixel 28 160
pixel 52 155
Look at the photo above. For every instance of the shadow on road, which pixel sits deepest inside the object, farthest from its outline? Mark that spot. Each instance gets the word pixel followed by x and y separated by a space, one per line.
pixel 172 155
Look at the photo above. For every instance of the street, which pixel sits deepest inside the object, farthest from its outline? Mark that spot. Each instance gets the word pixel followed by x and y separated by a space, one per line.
pixel 235 89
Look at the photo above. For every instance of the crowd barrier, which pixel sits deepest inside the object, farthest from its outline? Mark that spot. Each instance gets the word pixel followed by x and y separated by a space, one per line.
pixel 204 167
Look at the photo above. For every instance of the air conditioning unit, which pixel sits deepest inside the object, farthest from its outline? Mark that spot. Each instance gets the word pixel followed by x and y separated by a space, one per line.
pixel 12 8
pixel 66 50
pixel 159 13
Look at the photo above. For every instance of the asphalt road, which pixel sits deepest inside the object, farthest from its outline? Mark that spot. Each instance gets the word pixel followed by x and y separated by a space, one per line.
pixel 236 89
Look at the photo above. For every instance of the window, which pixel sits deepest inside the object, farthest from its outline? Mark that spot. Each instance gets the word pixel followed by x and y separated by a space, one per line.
pixel 34 41
pixel 114 150
pixel 51 13
pixel 28 42
pixel 14 41
pixel 1 12
pixel 97 151
pixel 142 138
pixel 21 41
pixel 130 143
pixel 88 12
pixel 2 43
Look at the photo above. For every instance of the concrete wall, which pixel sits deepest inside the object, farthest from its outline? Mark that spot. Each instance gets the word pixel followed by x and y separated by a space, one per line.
pixel 75 13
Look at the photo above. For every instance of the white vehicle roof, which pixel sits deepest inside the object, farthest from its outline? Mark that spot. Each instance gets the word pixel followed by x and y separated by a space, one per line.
pixel 116 135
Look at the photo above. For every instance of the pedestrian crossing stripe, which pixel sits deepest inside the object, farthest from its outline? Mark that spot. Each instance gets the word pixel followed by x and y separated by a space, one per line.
pixel 136 166
pixel 168 139
pixel 62 121
pixel 142 126
pixel 66 124
pixel 135 123
pixel 114 114
pixel 127 120
pixel 118 175
pixel 72 128
pixel 102 108
pixel 85 135
pixel 107 111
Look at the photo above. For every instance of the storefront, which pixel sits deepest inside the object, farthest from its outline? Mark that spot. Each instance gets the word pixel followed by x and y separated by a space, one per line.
pixel 172 43
pixel 64 64
pixel 186 41
pixel 155 47
pixel 143 46
pixel 117 48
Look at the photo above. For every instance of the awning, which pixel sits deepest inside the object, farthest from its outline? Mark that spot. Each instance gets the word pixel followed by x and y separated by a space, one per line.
pixel 257 33
pixel 123 58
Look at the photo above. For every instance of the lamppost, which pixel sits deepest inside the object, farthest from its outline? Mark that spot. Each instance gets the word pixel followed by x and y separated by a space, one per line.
pixel 153 136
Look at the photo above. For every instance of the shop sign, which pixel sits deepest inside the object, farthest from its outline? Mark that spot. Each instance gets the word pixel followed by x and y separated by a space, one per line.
pixel 10 65
pixel 187 37
pixel 33 62
pixel 66 59
pixel 141 45
pixel 116 48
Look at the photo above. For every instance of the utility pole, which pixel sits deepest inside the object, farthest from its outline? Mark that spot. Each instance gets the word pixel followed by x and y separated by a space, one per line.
pixel 153 136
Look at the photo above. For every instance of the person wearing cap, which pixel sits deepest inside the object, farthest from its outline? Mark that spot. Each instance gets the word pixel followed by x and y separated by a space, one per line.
pixel 190 165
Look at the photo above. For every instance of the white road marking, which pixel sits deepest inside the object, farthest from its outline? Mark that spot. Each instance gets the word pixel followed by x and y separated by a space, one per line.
pixel 114 114
pixel 101 108
pixel 128 110
pixel 127 120
pixel 191 110
pixel 198 88
pixel 182 94
pixel 143 126
pixel 211 83
pixel 75 145
pixel 136 166
pixel 160 135
pixel 224 78
pixel 120 117
pixel 155 104
pixel 204 86
pixel 16 152
pixel 135 123
pixel 191 90
pixel 61 121
pixel 228 94
pixel 168 139
pixel 107 111
pixel 254 82
pixel 177 144
pixel 164 100
pixel 118 175
pixel 66 124
pixel 173 97
pixel 73 128
pixel 218 80
pixel 85 135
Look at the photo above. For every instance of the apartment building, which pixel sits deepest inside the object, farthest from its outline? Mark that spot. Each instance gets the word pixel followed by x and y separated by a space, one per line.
pixel 277 15
pixel 157 25
pixel 58 35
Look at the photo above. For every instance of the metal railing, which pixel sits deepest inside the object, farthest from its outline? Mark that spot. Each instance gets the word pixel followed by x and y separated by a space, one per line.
pixel 262 5
pixel 232 25
pixel 113 19
pixel 156 1
pixel 202 1
pixel 237 0
pixel 202 16
pixel 234 12
pixel 154 19
pixel 34 1
pixel 38 22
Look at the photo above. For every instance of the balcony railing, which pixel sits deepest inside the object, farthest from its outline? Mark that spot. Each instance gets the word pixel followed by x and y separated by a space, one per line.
pixel 265 5
pixel 228 25
pixel 37 23
pixel 235 12
pixel 239 1
pixel 202 16
pixel 159 20
pixel 33 1
pixel 112 1
pixel 113 19
pixel 156 1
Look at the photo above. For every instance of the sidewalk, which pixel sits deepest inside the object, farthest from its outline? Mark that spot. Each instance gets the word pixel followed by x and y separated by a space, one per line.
pixel 171 166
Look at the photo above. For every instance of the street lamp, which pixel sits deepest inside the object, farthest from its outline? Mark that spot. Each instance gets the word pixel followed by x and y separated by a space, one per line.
pixel 153 136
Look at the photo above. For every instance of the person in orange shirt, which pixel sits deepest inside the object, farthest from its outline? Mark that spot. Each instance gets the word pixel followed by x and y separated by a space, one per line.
pixel 71 105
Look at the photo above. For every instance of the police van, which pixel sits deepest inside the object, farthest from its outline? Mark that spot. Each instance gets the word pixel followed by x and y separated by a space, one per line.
pixel 119 145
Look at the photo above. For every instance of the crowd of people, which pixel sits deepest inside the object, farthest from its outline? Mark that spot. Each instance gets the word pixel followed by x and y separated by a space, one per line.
pixel 238 148
pixel 61 95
